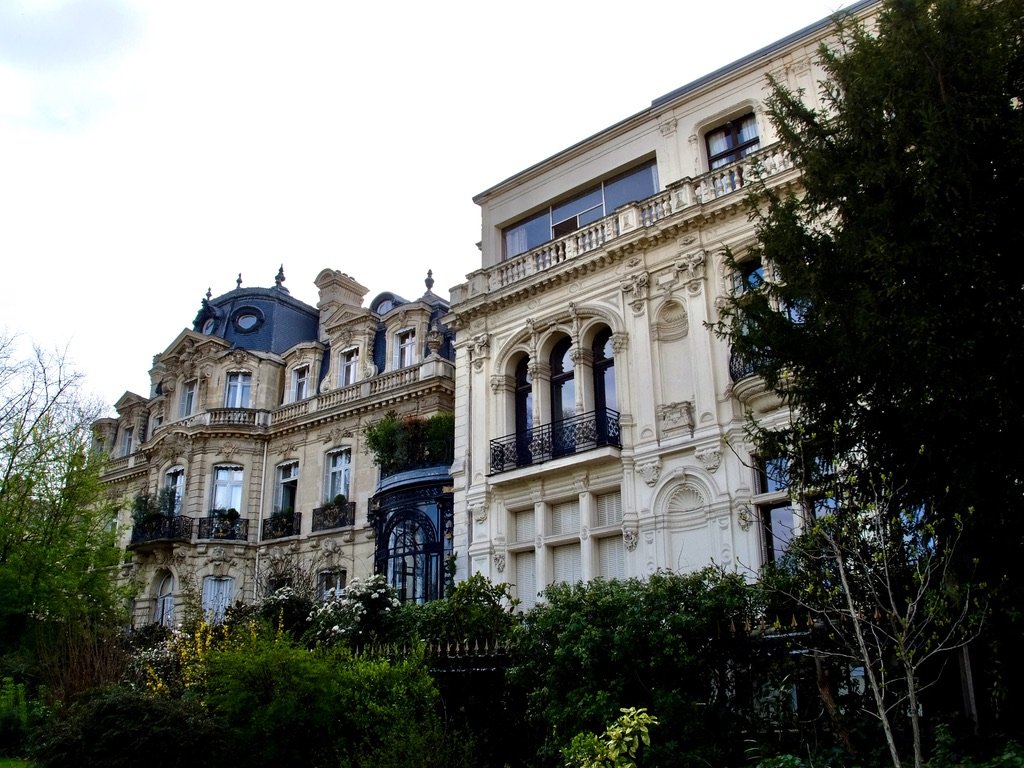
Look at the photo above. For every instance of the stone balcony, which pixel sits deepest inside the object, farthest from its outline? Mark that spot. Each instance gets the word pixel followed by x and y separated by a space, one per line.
pixel 683 199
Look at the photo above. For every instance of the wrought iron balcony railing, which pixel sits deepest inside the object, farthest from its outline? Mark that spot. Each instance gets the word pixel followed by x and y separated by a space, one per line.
pixel 162 528
pixel 560 438
pixel 223 528
pixel 280 526
pixel 334 516
pixel 740 367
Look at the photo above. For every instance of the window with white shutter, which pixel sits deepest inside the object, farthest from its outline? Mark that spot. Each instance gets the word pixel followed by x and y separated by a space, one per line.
pixel 609 508
pixel 524 527
pixel 526 579
pixel 611 558
pixel 566 561
pixel 565 518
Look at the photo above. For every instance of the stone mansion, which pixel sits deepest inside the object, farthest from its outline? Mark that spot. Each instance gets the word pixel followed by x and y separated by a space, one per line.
pixel 599 421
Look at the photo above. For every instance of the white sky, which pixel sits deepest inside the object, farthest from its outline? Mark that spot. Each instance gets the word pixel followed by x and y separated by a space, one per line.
pixel 149 150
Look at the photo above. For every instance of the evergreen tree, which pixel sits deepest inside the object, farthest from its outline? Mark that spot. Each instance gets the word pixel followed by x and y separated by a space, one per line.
pixel 893 298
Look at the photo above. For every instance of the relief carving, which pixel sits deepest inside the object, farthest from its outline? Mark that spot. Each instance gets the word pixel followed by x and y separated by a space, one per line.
pixel 650 471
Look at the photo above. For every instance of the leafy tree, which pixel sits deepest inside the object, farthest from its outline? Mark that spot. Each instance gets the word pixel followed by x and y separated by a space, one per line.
pixel 57 538
pixel 891 311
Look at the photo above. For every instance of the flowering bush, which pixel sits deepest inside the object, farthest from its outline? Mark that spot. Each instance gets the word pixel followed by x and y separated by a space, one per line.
pixel 362 612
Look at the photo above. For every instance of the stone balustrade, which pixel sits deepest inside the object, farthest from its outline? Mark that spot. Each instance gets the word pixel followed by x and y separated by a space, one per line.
pixel 677 199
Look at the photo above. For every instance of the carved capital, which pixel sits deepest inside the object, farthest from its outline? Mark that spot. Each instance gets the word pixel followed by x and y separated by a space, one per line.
pixel 649 471
pixel 710 458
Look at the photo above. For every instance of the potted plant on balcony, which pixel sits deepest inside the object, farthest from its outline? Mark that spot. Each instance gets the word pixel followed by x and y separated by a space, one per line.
pixel 398 443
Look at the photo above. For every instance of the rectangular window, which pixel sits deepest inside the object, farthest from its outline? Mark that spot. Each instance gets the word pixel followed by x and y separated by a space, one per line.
pixel 227 488
pixel 609 508
pixel 565 518
pixel 339 473
pixel 778 521
pixel 349 367
pixel 287 487
pixel 300 383
pixel 580 210
pixel 774 507
pixel 127 437
pixel 566 563
pixel 236 394
pixel 406 348
pixel 175 480
pixel 732 141
pixel 611 558
pixel 188 398
pixel 330 583
pixel 526 579
pixel 524 527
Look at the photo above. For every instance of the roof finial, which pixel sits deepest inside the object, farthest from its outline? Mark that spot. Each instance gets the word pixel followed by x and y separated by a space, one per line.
pixel 209 293
pixel 429 282
pixel 280 276
pixel 238 282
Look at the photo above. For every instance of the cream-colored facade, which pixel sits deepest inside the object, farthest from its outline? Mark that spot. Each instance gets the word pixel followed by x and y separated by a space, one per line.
pixel 599 429
pixel 252 429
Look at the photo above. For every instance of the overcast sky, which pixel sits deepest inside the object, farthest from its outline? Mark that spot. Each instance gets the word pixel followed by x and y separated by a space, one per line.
pixel 151 150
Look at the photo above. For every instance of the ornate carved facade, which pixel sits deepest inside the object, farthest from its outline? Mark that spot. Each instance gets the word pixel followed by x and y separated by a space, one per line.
pixel 599 420
pixel 244 468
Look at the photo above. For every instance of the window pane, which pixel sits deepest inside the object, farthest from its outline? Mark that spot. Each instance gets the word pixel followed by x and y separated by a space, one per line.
pixel 635 185
pixel 778 529
pixel 527 234
pixel 587 201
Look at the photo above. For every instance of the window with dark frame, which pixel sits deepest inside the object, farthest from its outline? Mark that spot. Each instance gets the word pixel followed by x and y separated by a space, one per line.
pixel 774 506
pixel 584 208
pixel 732 141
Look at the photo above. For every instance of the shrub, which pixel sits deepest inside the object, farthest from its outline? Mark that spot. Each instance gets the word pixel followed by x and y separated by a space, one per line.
pixel 122 728
pixel 663 644
pixel 364 613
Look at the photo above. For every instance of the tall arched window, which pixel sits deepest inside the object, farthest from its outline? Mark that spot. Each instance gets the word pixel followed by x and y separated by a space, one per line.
pixel 563 399
pixel 414 555
pixel 563 383
pixel 164 610
pixel 605 395
pixel 524 411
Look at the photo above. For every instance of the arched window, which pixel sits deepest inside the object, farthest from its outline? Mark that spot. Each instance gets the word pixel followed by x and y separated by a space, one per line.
pixel 605 395
pixel 524 411
pixel 414 555
pixel 218 592
pixel 563 399
pixel 563 382
pixel 163 612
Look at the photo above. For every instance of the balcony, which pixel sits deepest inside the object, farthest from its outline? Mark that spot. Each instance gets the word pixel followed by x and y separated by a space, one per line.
pixel 282 525
pixel 551 441
pixel 223 528
pixel 332 516
pixel 160 528
pixel 686 198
